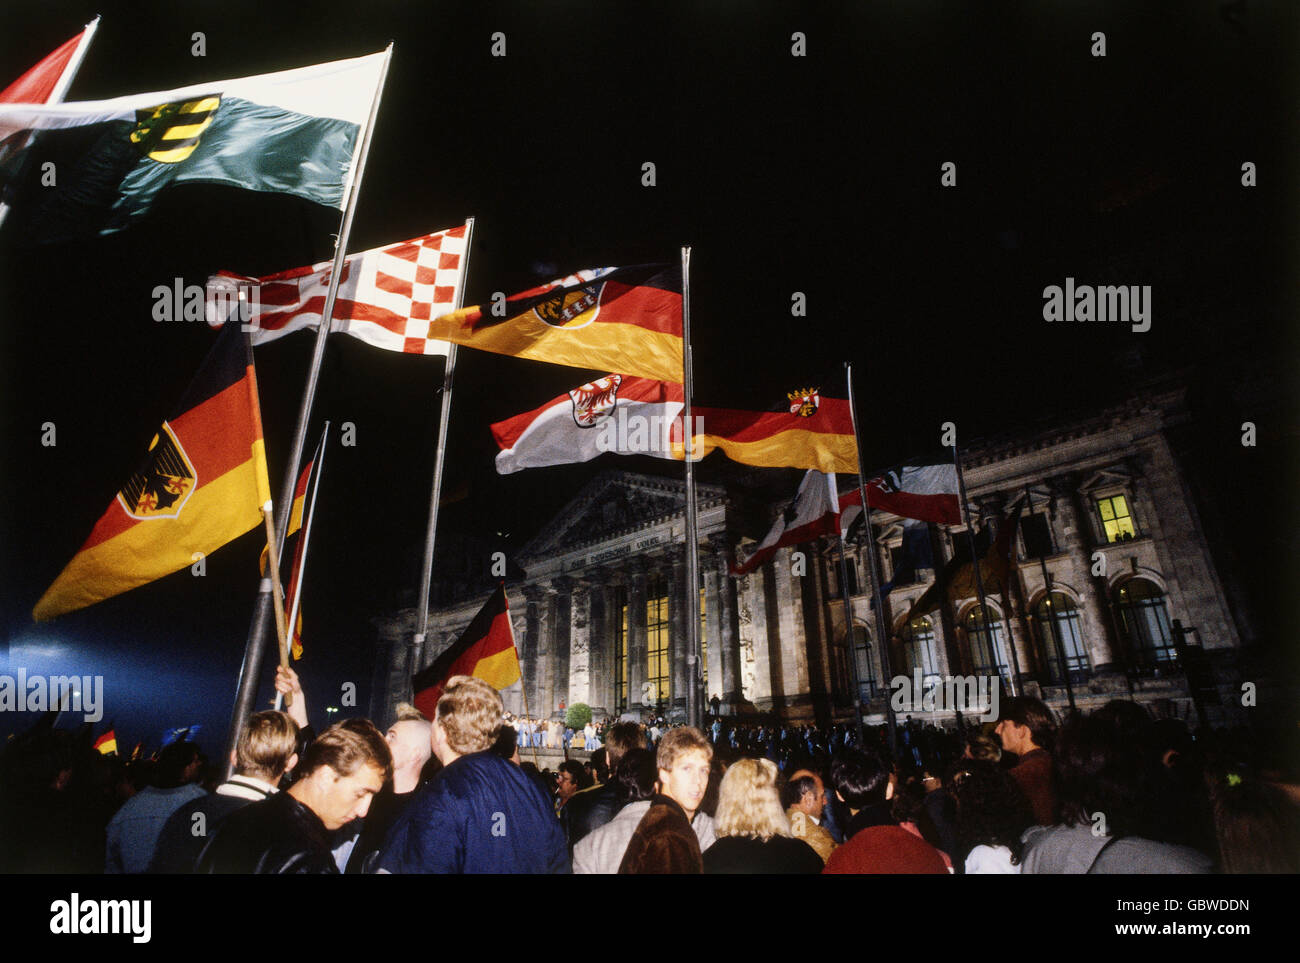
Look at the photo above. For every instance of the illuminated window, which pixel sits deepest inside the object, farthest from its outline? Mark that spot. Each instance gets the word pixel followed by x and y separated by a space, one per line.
pixel 658 644
pixel 918 648
pixel 1058 628
pixel 1116 522
pixel 988 651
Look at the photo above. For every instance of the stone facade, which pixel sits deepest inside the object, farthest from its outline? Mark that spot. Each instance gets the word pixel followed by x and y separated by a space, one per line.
pixel 1116 593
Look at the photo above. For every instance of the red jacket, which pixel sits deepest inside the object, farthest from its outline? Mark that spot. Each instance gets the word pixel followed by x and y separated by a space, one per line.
pixel 886 849
pixel 1034 775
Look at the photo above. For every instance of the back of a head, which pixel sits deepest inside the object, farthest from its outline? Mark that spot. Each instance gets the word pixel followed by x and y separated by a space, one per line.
pixel 748 802
pixel 470 713
pixel 677 742
pixel 347 746
pixel 1099 770
pixel 635 777
pixel 793 791
pixel 992 810
pixel 266 745
pixel 173 760
pixel 983 746
pixel 505 743
pixel 1033 713
pixel 1256 827
pixel 860 777
pixel 619 738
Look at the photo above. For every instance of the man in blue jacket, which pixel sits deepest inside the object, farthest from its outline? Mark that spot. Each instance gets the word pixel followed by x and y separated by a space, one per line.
pixel 481 813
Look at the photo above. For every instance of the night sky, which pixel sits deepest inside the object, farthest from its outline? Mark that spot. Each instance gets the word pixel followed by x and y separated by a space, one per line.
pixel 818 174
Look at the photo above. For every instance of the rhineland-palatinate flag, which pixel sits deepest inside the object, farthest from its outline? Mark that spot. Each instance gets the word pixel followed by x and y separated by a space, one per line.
pixel 924 491
pixel 812 514
pixel 486 649
pixel 386 297
pixel 616 413
pixel 201 485
pixel 806 429
pixel 611 319
pixel 294 132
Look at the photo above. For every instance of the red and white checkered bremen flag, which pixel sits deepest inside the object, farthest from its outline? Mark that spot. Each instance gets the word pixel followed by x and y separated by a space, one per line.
pixel 386 298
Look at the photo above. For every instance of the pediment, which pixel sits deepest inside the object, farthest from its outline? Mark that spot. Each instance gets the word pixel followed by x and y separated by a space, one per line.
pixel 1106 478
pixel 611 504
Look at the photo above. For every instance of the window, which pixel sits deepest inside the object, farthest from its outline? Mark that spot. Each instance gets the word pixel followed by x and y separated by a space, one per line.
pixel 902 572
pixel 961 543
pixel 620 650
pixel 658 649
pixel 988 646
pixel 1037 534
pixel 1145 620
pixel 918 649
pixel 1116 522
pixel 865 654
pixel 1058 628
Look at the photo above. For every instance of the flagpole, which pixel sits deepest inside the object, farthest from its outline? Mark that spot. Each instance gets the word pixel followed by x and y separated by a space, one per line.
pixel 975 563
pixel 1058 643
pixel 255 648
pixel 692 533
pixel 439 461
pixel 61 88
pixel 848 616
pixel 273 567
pixel 881 636
pixel 308 516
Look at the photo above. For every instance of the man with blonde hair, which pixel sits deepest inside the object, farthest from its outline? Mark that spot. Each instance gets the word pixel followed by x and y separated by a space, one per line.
pixel 480 814
pixel 673 833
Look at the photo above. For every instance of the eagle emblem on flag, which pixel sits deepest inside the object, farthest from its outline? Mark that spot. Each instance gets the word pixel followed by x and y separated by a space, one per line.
pixel 163 484
pixel 170 133
pixel 804 401
pixel 595 400
pixel 576 308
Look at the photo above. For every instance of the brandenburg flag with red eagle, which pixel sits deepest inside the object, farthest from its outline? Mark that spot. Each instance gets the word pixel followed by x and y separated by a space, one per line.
pixel 486 650
pixel 612 319
pixel 201 484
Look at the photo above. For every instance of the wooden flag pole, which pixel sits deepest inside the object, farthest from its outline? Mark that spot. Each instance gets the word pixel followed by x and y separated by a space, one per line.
pixel 439 462
pixel 255 648
pixel 273 567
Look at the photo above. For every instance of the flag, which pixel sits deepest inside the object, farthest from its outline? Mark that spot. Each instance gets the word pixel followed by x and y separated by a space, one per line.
pixel 386 297
pixel 617 413
pixel 107 743
pixel 915 554
pixel 179 734
pixel 926 492
pixel 611 319
pixel 486 650
pixel 304 508
pixel 45 83
pixel 812 514
pixel 807 428
pixel 137 752
pixel 295 132
pixel 959 574
pixel 201 485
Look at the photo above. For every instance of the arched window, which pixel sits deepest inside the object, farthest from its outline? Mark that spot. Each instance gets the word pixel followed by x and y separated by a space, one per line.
pixel 988 646
pixel 919 650
pixel 1145 619
pixel 865 654
pixel 1058 628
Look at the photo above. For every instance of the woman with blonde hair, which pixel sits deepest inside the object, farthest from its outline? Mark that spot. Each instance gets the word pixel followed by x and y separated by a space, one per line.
pixel 754 835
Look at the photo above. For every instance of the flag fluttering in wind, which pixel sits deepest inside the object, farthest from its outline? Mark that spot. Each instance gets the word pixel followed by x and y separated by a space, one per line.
pixel 611 319
pixel 386 297
pixel 926 492
pixel 293 132
pixel 812 514
pixel 617 413
pixel 202 484
pixel 959 574
pixel 486 650
pixel 39 84
pixel 107 743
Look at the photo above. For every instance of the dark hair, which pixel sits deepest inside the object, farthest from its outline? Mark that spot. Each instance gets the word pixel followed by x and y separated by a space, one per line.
pixel 992 809
pixel 635 777
pixel 792 792
pixel 347 746
pixel 1031 712
pixel 860 777
pixel 1256 828
pixel 172 762
pixel 619 738
pixel 505 743
pixel 576 772
pixel 1101 770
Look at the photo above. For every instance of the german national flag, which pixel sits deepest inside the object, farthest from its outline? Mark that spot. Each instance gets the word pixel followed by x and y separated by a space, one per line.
pixel 107 743
pixel 485 650
pixel 202 484
pixel 614 319
pixel 805 429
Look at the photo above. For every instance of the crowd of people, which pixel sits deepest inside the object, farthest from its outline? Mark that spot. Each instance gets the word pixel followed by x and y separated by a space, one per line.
pixel 1114 791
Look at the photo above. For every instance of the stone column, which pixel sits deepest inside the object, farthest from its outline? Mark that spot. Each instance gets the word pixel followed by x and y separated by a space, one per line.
pixel 637 573
pixel 677 615
pixel 1092 605
pixel 728 624
pixel 562 636
pixel 600 640
pixel 530 654
pixel 712 627
pixel 580 645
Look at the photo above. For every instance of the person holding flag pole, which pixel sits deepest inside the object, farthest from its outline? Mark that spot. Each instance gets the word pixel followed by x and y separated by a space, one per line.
pixel 256 644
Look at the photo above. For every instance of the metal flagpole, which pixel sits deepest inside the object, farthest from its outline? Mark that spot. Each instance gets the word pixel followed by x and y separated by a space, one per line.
pixel 256 645
pixel 1057 642
pixel 435 494
pixel 882 639
pixel 61 88
pixel 975 559
pixel 693 700
pixel 308 516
